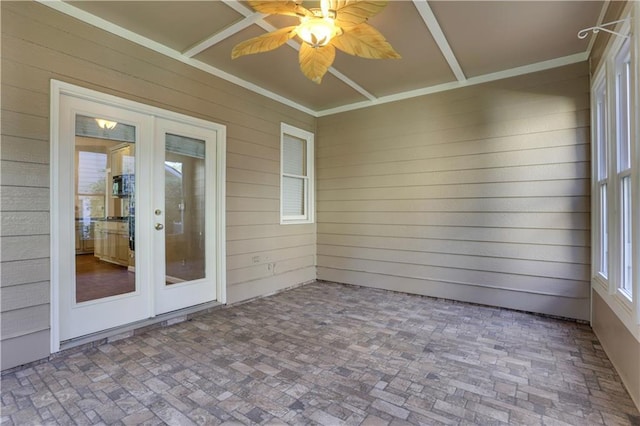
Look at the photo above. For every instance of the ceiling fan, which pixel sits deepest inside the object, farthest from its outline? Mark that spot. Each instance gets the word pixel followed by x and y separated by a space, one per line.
pixel 340 24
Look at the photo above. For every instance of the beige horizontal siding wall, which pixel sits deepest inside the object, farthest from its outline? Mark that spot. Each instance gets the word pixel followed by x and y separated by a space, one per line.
pixel 39 44
pixel 478 194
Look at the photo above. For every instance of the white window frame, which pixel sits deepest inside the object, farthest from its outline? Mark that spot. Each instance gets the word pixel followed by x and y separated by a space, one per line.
pixel 625 303
pixel 600 260
pixel 308 179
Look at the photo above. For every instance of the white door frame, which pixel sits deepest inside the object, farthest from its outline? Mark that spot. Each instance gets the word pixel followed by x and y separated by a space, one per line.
pixel 59 88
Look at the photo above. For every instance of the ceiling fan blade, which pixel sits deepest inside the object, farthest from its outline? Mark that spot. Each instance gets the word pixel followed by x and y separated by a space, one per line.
pixel 351 13
pixel 365 41
pixel 264 43
pixel 290 8
pixel 315 61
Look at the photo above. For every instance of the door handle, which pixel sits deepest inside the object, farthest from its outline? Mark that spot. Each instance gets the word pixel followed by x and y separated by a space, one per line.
pixel 159 226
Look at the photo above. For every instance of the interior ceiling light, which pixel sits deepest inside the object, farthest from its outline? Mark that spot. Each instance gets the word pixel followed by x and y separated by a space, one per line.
pixel 106 124
pixel 338 24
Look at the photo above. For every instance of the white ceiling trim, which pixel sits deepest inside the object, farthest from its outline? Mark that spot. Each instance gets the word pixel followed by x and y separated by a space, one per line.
pixel 238 7
pixel 513 72
pixel 603 12
pixel 103 24
pixel 222 35
pixel 352 84
pixel 436 31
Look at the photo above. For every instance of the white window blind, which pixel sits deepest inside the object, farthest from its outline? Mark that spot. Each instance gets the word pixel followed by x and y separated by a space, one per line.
pixel 184 145
pixel 296 189
pixel 91 172
pixel 88 126
pixel 293 196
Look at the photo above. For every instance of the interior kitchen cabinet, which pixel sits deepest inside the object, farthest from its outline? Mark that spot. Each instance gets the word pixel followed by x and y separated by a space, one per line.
pixel 112 241
pixel 121 180
pixel 85 240
pixel 122 159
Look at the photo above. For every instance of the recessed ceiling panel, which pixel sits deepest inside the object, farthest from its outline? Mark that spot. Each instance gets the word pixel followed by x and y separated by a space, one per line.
pixel 422 63
pixel 278 71
pixel 493 36
pixel 176 24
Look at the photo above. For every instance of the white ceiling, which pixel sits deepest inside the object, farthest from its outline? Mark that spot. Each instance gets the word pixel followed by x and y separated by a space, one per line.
pixel 443 44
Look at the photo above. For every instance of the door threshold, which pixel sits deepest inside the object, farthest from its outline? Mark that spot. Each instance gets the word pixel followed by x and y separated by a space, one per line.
pixel 135 328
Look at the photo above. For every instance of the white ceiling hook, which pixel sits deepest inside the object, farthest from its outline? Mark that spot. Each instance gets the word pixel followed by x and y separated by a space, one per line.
pixel 582 34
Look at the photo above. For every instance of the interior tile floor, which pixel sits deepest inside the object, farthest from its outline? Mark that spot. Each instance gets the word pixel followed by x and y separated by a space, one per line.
pixel 332 354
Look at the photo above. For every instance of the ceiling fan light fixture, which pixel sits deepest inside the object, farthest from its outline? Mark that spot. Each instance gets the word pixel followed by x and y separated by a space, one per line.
pixel 318 31
pixel 337 24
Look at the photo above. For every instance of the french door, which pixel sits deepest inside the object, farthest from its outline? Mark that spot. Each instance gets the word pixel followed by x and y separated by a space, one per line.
pixel 136 214
pixel 184 260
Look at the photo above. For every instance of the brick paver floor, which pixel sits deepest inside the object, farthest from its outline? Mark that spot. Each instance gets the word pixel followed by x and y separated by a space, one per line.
pixel 332 354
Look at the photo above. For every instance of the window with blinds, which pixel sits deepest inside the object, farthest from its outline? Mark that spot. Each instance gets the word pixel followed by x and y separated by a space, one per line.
pixel 623 118
pixel 90 184
pixel 296 175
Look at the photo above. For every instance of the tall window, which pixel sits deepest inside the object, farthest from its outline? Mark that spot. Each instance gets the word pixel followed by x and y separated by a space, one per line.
pixel 91 184
pixel 600 140
pixel 623 149
pixel 296 175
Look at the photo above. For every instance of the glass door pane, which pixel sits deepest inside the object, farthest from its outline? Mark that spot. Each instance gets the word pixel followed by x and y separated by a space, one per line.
pixel 185 212
pixel 104 193
pixel 184 215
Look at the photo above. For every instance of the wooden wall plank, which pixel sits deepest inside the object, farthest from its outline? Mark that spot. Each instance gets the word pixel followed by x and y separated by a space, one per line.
pixel 16 173
pixel 241 175
pixel 251 289
pixel 24 271
pixel 251 273
pixel 25 100
pixel 238 189
pixel 512 204
pixel 25 321
pixel 24 247
pixel 550 188
pixel 24 150
pixel 24 199
pixel 466 233
pixel 246 260
pixel 260 245
pixel 249 232
pixel 23 296
pixel 24 125
pixel 513 282
pixel 537 172
pixel 13 350
pixel 574 221
pixel 474 262
pixel 539 252
pixel 24 223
